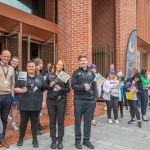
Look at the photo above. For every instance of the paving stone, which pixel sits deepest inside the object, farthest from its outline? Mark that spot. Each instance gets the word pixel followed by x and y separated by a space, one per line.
pixel 104 136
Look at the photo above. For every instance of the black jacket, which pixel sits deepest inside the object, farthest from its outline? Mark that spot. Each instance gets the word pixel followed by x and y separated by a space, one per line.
pixel 54 95
pixel 80 77
pixel 32 99
pixel 16 73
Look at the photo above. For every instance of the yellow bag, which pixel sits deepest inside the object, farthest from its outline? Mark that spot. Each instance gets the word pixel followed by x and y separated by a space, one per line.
pixel 129 95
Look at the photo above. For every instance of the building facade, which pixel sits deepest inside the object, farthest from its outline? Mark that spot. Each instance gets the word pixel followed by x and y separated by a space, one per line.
pixel 63 29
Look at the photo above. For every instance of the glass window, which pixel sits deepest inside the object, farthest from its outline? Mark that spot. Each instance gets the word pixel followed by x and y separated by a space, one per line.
pixel 35 7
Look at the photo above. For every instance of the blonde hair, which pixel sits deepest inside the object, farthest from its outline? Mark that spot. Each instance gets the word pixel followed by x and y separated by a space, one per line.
pixel 64 65
pixel 110 78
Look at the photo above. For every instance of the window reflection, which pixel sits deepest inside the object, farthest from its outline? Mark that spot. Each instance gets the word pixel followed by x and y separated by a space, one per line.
pixel 35 7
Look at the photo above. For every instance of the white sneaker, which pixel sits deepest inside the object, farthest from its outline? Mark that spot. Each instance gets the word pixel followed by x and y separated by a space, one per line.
pixel 41 114
pixel 116 121
pixel 15 128
pixel 9 117
pixel 110 121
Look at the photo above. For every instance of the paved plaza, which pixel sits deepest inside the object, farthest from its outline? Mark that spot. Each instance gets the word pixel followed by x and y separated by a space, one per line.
pixel 104 137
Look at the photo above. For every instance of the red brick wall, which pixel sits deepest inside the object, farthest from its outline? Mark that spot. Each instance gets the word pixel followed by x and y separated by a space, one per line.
pixel 13 45
pixel 103 28
pixel 50 10
pixel 75 35
pixel 143 25
pixel 148 61
pixel 125 23
pixel 143 19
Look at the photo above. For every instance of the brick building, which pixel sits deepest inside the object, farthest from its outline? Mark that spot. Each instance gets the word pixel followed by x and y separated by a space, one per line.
pixel 63 29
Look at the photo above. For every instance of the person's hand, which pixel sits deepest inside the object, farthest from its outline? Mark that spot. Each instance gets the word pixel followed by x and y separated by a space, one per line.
pixel 52 83
pixel 58 87
pixel 110 90
pixel 24 89
pixel 134 91
pixel 87 86
pixel 149 86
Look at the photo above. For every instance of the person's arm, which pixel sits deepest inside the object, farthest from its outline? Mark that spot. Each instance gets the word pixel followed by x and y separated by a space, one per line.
pixel 75 85
pixel 105 87
pixel 48 85
pixel 12 84
pixel 95 91
pixel 19 87
pixel 44 98
pixel 144 82
pixel 66 89
pixel 21 90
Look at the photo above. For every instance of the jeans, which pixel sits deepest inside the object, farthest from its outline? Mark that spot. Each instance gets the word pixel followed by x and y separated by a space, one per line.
pixel 56 114
pixel 133 104
pixel 144 102
pixel 83 108
pixel 120 103
pixel 5 102
pixel 112 104
pixel 25 116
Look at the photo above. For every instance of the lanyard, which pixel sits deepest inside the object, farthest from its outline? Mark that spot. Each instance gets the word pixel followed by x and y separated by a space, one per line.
pixel 5 73
pixel 32 82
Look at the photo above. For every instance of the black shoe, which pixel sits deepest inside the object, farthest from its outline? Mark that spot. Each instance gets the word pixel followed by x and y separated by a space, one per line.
pixel 53 145
pixel 20 142
pixel 88 144
pixel 60 145
pixel 131 121
pixel 139 124
pixel 39 132
pixel 40 127
pixel 78 145
pixel 35 143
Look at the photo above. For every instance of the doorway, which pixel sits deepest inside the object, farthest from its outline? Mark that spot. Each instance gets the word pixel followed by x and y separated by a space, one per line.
pixel 34 51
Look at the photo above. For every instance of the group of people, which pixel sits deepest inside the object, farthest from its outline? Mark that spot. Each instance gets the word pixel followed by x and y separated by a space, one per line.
pixel 132 92
pixel 37 90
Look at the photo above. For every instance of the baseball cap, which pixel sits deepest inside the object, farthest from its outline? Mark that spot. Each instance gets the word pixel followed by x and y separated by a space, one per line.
pixel 92 66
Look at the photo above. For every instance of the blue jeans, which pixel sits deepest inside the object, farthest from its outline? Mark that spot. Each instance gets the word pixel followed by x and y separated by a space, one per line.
pixel 144 102
pixel 83 108
pixel 5 102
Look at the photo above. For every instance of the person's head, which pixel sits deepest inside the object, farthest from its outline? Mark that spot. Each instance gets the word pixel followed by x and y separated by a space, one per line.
pixel 137 77
pixel 49 67
pixel 14 62
pixel 5 56
pixel 31 67
pixel 60 66
pixel 112 67
pixel 82 59
pixel 111 75
pixel 93 67
pixel 38 63
pixel 144 72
